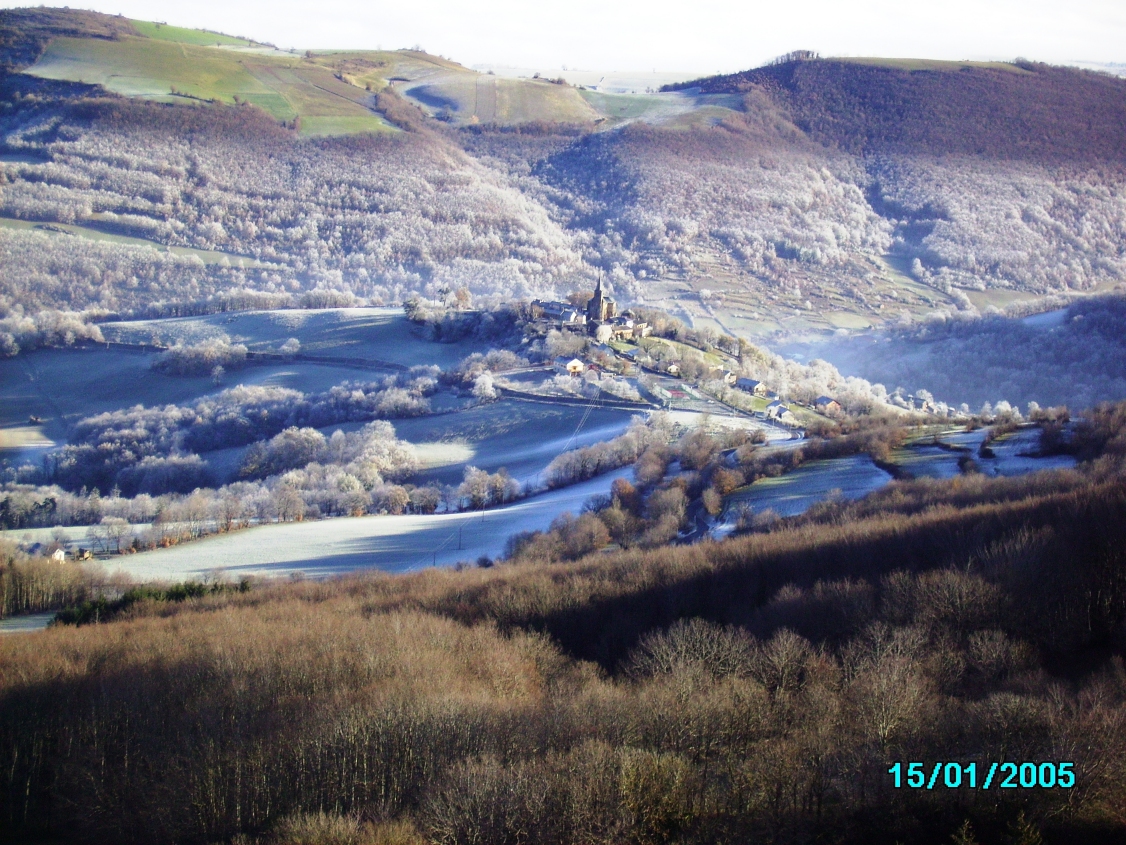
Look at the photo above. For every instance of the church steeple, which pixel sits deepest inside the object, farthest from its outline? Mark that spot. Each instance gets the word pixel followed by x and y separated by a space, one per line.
pixel 594 307
pixel 600 308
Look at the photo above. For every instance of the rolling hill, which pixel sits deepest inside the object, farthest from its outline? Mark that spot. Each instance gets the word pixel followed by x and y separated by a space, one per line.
pixel 806 196
pixel 1021 110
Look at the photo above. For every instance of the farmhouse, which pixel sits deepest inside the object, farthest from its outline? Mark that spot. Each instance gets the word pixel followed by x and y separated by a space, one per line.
pixel 575 367
pixel 59 555
pixel 827 405
pixel 749 385
pixel 729 377
pixel 778 411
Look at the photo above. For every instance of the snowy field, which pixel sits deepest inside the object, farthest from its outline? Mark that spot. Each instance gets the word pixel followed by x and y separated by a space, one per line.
pixel 795 492
pixel 522 437
pixel 335 546
pixel 1009 459
pixel 717 421
pixel 378 333
pixel 1011 455
pixel 856 476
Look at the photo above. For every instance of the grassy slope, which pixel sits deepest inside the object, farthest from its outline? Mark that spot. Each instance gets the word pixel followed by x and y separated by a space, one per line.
pixel 198 37
pixel 331 93
pixel 286 87
pixel 25 32
pixel 469 97
pixel 930 64
pixel 148 68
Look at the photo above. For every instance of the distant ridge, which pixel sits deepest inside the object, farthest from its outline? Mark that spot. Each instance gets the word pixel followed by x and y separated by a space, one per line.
pixel 1020 110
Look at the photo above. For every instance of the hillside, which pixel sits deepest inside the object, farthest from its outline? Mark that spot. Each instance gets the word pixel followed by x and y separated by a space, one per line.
pixel 757 689
pixel 806 197
pixel 1023 111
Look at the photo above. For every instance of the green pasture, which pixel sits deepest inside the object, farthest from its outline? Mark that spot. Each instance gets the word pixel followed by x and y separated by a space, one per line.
pixel 144 67
pixel 318 126
pixel 930 64
pixel 175 70
pixel 621 106
pixel 179 35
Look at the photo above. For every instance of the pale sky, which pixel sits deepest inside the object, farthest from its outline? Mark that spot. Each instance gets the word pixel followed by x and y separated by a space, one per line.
pixel 702 36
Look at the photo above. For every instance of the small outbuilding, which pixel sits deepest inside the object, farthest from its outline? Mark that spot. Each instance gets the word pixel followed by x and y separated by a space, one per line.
pixel 827 405
pixel 780 412
pixel 575 367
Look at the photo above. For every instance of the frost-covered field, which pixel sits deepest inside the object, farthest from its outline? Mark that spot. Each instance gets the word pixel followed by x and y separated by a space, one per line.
pixel 1012 455
pixel 924 461
pixel 381 333
pixel 795 492
pixel 61 386
pixel 856 476
pixel 522 437
pixel 334 546
pixel 715 422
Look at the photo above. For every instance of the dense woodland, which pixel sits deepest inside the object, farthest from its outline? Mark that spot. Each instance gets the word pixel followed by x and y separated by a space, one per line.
pixel 1024 110
pixel 756 689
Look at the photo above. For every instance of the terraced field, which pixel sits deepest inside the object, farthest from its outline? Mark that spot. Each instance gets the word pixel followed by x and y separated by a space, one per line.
pixel 180 68
pixel 328 93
